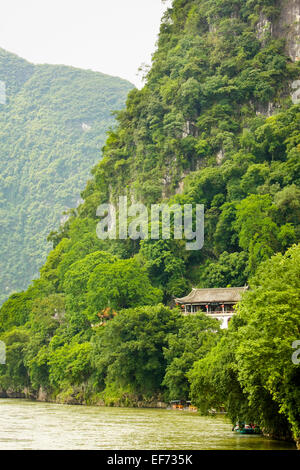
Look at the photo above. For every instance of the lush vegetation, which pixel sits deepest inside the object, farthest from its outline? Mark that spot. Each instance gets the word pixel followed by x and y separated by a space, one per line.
pixel 251 369
pixel 97 325
pixel 52 129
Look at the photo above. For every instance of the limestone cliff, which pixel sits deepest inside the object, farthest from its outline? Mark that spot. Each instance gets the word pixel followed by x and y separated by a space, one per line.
pixel 288 26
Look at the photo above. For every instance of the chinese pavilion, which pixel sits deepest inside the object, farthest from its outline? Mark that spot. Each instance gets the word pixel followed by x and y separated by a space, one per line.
pixel 218 303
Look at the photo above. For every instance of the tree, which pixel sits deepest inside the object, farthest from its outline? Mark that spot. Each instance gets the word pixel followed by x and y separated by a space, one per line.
pixel 259 234
pixel 251 371
pixel 213 379
pixel 123 284
pixel 70 364
pixel 13 374
pixel 129 348
pixel 15 311
pixel 195 336
pixel 229 270
pixel 77 277
pixel 165 261
pixel 264 353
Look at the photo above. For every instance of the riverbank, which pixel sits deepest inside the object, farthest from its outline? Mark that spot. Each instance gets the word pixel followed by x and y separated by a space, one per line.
pixel 79 396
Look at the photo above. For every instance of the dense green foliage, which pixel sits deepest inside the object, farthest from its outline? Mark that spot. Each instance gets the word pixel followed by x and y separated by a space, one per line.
pixel 92 327
pixel 52 129
pixel 251 369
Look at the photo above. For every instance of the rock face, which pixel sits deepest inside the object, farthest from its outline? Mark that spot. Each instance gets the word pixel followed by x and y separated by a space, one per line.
pixel 288 26
pixel 190 129
pixel 296 93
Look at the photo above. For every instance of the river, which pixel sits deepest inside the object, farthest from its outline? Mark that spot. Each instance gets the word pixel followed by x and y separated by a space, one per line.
pixel 32 425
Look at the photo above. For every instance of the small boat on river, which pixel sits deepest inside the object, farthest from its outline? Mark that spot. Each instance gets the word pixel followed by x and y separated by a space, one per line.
pixel 243 428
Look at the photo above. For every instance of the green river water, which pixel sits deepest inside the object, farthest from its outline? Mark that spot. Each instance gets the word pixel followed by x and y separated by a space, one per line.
pixel 31 425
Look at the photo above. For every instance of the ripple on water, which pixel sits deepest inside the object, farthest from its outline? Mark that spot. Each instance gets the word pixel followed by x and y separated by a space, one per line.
pixel 32 425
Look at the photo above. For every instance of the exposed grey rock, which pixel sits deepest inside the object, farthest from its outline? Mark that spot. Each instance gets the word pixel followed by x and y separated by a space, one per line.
pixel 288 26
pixel 190 129
pixel 220 156
pixel 296 93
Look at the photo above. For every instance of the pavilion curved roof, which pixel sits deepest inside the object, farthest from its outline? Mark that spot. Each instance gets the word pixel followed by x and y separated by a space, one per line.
pixel 229 294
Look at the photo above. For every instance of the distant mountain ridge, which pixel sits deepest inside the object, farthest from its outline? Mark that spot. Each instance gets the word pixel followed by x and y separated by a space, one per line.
pixel 53 125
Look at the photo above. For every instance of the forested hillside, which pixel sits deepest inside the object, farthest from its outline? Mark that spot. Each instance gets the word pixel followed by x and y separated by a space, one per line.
pixel 215 124
pixel 52 128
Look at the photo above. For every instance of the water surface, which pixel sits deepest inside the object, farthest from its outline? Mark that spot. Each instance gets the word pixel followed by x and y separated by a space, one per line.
pixel 39 426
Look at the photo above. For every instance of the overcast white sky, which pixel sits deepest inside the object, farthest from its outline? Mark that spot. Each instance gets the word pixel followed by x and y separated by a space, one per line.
pixel 110 36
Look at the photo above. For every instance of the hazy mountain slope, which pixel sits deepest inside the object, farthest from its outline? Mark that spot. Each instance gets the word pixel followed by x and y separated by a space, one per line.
pixel 52 129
